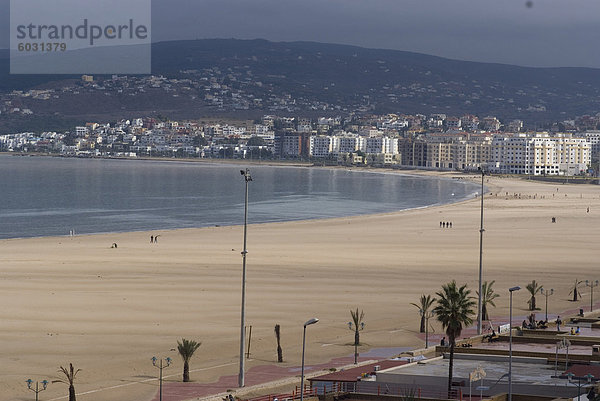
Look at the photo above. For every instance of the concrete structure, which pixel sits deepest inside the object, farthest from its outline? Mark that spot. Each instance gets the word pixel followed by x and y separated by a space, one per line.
pixel 530 376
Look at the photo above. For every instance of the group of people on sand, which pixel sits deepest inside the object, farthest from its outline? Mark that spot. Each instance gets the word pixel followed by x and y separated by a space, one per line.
pixel 445 224
pixel 154 239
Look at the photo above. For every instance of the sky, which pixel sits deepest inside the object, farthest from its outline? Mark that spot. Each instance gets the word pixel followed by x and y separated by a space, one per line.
pixel 542 33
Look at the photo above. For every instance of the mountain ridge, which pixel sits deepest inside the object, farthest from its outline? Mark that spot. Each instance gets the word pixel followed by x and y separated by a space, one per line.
pixel 342 78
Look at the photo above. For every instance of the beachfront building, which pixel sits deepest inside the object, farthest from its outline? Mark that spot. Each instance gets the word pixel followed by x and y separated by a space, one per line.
pixel 459 152
pixel 349 143
pixel 322 145
pixel 381 144
pixel 540 154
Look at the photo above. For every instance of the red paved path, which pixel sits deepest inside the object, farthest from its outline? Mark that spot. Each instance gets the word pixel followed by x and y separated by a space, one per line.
pixel 176 391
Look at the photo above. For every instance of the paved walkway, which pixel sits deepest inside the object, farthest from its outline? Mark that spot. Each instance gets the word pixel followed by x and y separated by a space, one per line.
pixel 257 375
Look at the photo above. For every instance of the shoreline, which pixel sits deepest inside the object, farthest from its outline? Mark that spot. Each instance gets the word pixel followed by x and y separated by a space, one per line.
pixel 448 176
pixel 108 311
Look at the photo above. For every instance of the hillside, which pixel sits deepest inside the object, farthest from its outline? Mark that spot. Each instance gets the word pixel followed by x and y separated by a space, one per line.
pixel 252 77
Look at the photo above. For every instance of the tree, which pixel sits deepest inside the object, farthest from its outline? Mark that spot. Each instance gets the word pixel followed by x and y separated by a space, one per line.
pixel 454 311
pixel 487 298
pixel 533 289
pixel 425 302
pixel 358 324
pixel 69 379
pixel 186 349
pixel 575 291
pixel 278 337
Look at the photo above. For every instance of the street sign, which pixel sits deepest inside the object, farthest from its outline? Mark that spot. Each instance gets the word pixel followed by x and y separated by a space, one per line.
pixel 477 374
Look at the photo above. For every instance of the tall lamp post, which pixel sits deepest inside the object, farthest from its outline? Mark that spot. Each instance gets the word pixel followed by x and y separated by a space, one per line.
pixel 481 230
pixel 356 329
pixel 37 388
pixel 511 290
pixel 308 323
pixel 547 293
pixel 160 367
pixel 427 315
pixel 592 284
pixel 247 179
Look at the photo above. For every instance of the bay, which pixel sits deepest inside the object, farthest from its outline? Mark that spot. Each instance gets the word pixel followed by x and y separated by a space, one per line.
pixel 47 196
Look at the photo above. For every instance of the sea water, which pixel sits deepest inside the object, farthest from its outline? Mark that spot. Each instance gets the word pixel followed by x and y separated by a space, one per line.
pixel 46 196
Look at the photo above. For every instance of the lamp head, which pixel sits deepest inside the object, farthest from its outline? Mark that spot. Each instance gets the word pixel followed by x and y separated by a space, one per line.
pixel 29 382
pixel 362 325
pixel 311 321
pixel 515 288
pixel 169 360
pixel 45 383
pixel 154 359
pixel 246 174
pixel 350 325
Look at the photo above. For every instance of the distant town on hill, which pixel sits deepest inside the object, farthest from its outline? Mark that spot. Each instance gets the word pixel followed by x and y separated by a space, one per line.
pixel 251 78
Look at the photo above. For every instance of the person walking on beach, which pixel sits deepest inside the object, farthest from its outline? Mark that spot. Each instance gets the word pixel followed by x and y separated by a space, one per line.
pixel 151 239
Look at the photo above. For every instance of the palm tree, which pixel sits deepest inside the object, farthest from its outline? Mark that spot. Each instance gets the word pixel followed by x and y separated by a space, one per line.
pixel 575 291
pixel 533 289
pixel 487 298
pixel 186 349
pixel 68 379
pixel 358 324
pixel 425 302
pixel 278 337
pixel 454 311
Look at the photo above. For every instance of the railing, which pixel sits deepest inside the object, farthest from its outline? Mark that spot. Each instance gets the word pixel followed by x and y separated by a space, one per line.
pixel 367 387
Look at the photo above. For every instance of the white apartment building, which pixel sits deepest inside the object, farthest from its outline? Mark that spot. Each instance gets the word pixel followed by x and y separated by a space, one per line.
pixel 539 154
pixel 593 137
pixel 381 144
pixel 349 144
pixel 322 146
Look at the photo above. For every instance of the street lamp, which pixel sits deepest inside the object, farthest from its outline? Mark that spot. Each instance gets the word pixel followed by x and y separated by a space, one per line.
pixel 308 323
pixel 547 294
pixel 427 315
pixel 591 284
pixel 481 230
pixel 588 378
pixel 37 388
pixel 247 179
pixel 564 343
pixel 356 329
pixel 160 367
pixel 511 290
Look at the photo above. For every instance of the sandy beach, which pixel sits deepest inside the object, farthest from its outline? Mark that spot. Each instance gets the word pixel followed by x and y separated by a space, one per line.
pixel 108 311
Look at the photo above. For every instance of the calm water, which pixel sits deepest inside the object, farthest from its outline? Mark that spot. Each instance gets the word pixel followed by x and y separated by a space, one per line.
pixel 43 196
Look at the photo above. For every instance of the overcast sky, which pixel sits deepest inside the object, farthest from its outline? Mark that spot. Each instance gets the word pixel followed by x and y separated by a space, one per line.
pixel 534 33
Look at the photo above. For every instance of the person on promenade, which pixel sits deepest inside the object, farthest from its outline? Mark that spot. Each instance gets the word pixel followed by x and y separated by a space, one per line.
pixel 443 342
pixel 558 323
